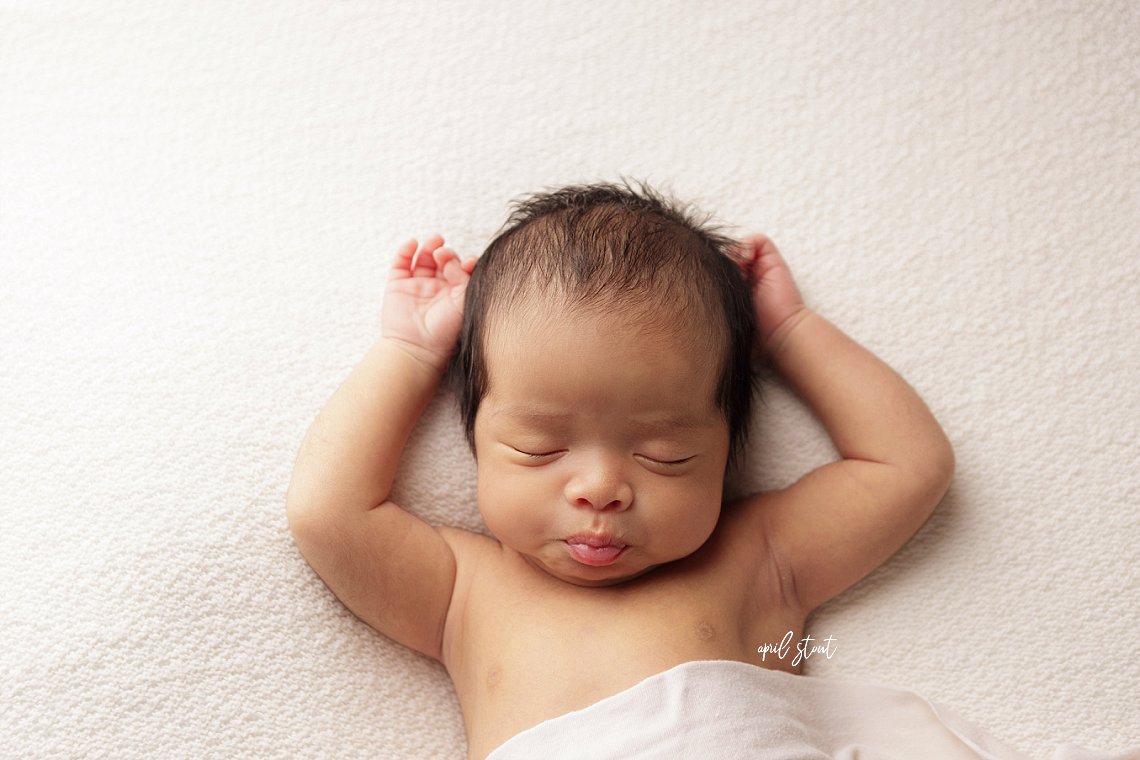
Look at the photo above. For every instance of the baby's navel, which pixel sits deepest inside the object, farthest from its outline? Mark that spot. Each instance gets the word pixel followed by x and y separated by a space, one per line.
pixel 705 631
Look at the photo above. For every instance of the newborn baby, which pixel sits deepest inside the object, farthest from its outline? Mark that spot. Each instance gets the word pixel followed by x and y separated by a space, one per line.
pixel 604 348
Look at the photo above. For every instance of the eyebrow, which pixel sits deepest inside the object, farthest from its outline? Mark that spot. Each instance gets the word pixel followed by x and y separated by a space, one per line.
pixel 537 414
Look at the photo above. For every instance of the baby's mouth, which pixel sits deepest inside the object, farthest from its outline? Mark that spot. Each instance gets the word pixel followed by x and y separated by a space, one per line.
pixel 594 551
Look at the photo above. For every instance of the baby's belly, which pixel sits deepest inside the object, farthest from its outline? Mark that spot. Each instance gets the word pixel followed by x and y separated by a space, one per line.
pixel 583 658
pixel 523 693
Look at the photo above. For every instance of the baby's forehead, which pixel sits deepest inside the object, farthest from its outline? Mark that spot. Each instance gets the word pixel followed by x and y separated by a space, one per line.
pixel 536 350
pixel 652 315
pixel 558 386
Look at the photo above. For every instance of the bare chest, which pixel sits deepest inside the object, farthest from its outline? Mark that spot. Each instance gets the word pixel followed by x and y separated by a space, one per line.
pixel 537 648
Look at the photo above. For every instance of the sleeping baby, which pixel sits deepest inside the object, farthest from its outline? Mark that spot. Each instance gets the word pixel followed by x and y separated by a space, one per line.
pixel 604 348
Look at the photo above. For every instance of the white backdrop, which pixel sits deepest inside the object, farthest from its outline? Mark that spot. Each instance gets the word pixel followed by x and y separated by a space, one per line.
pixel 199 201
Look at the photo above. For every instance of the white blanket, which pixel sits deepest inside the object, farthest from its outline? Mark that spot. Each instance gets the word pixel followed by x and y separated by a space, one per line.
pixel 720 709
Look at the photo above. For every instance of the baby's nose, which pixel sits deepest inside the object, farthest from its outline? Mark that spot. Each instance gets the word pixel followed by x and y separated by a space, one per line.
pixel 601 504
pixel 599 487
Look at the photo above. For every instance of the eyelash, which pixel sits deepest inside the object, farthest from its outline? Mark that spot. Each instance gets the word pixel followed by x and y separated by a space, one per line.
pixel 670 462
pixel 536 456
pixel 666 463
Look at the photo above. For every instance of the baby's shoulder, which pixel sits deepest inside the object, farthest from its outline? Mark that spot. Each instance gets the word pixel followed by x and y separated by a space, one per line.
pixel 470 548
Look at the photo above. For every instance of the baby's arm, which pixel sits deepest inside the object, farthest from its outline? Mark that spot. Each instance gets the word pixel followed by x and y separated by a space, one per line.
pixel 394 571
pixel 842 520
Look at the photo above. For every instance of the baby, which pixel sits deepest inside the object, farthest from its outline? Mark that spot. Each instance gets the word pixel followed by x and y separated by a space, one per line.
pixel 604 347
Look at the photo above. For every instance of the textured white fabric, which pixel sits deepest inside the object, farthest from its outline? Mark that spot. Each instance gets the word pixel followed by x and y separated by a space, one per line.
pixel 717 709
pixel 199 200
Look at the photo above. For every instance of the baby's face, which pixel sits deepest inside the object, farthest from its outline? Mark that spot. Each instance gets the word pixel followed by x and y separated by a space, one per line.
pixel 601 453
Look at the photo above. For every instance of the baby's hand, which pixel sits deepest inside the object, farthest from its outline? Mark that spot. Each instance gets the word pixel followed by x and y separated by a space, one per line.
pixel 775 296
pixel 423 305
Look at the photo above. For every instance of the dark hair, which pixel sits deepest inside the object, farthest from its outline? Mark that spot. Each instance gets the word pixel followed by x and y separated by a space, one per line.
pixel 602 245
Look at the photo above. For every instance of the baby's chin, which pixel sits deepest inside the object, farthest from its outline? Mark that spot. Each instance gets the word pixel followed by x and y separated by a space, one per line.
pixel 589 577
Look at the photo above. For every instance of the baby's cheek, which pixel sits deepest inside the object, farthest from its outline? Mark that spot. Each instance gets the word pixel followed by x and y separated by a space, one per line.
pixel 503 506
pixel 693 514
pixel 487 498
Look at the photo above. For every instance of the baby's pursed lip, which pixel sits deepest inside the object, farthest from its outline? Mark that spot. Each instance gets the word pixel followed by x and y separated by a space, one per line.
pixel 594 549
pixel 594 539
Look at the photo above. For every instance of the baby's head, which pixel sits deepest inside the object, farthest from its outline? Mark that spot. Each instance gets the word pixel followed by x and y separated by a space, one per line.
pixel 605 380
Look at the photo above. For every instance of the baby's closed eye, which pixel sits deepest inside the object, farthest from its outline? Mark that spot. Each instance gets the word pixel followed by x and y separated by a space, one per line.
pixel 543 453
pixel 667 466
pixel 667 462
pixel 536 454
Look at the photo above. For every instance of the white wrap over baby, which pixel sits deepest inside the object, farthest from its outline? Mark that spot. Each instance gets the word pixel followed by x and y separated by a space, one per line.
pixel 724 709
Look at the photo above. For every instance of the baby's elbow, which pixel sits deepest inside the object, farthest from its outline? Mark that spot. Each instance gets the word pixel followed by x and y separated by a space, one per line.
pixel 302 519
pixel 939 470
pixel 947 459
pixel 297 522
pixel 302 507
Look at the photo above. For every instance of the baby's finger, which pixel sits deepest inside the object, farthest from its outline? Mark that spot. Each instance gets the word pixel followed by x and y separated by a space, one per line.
pixel 763 247
pixel 431 243
pixel 423 264
pixel 745 256
pixel 404 254
pixel 458 271
pixel 758 246
pixel 442 256
pixel 453 271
